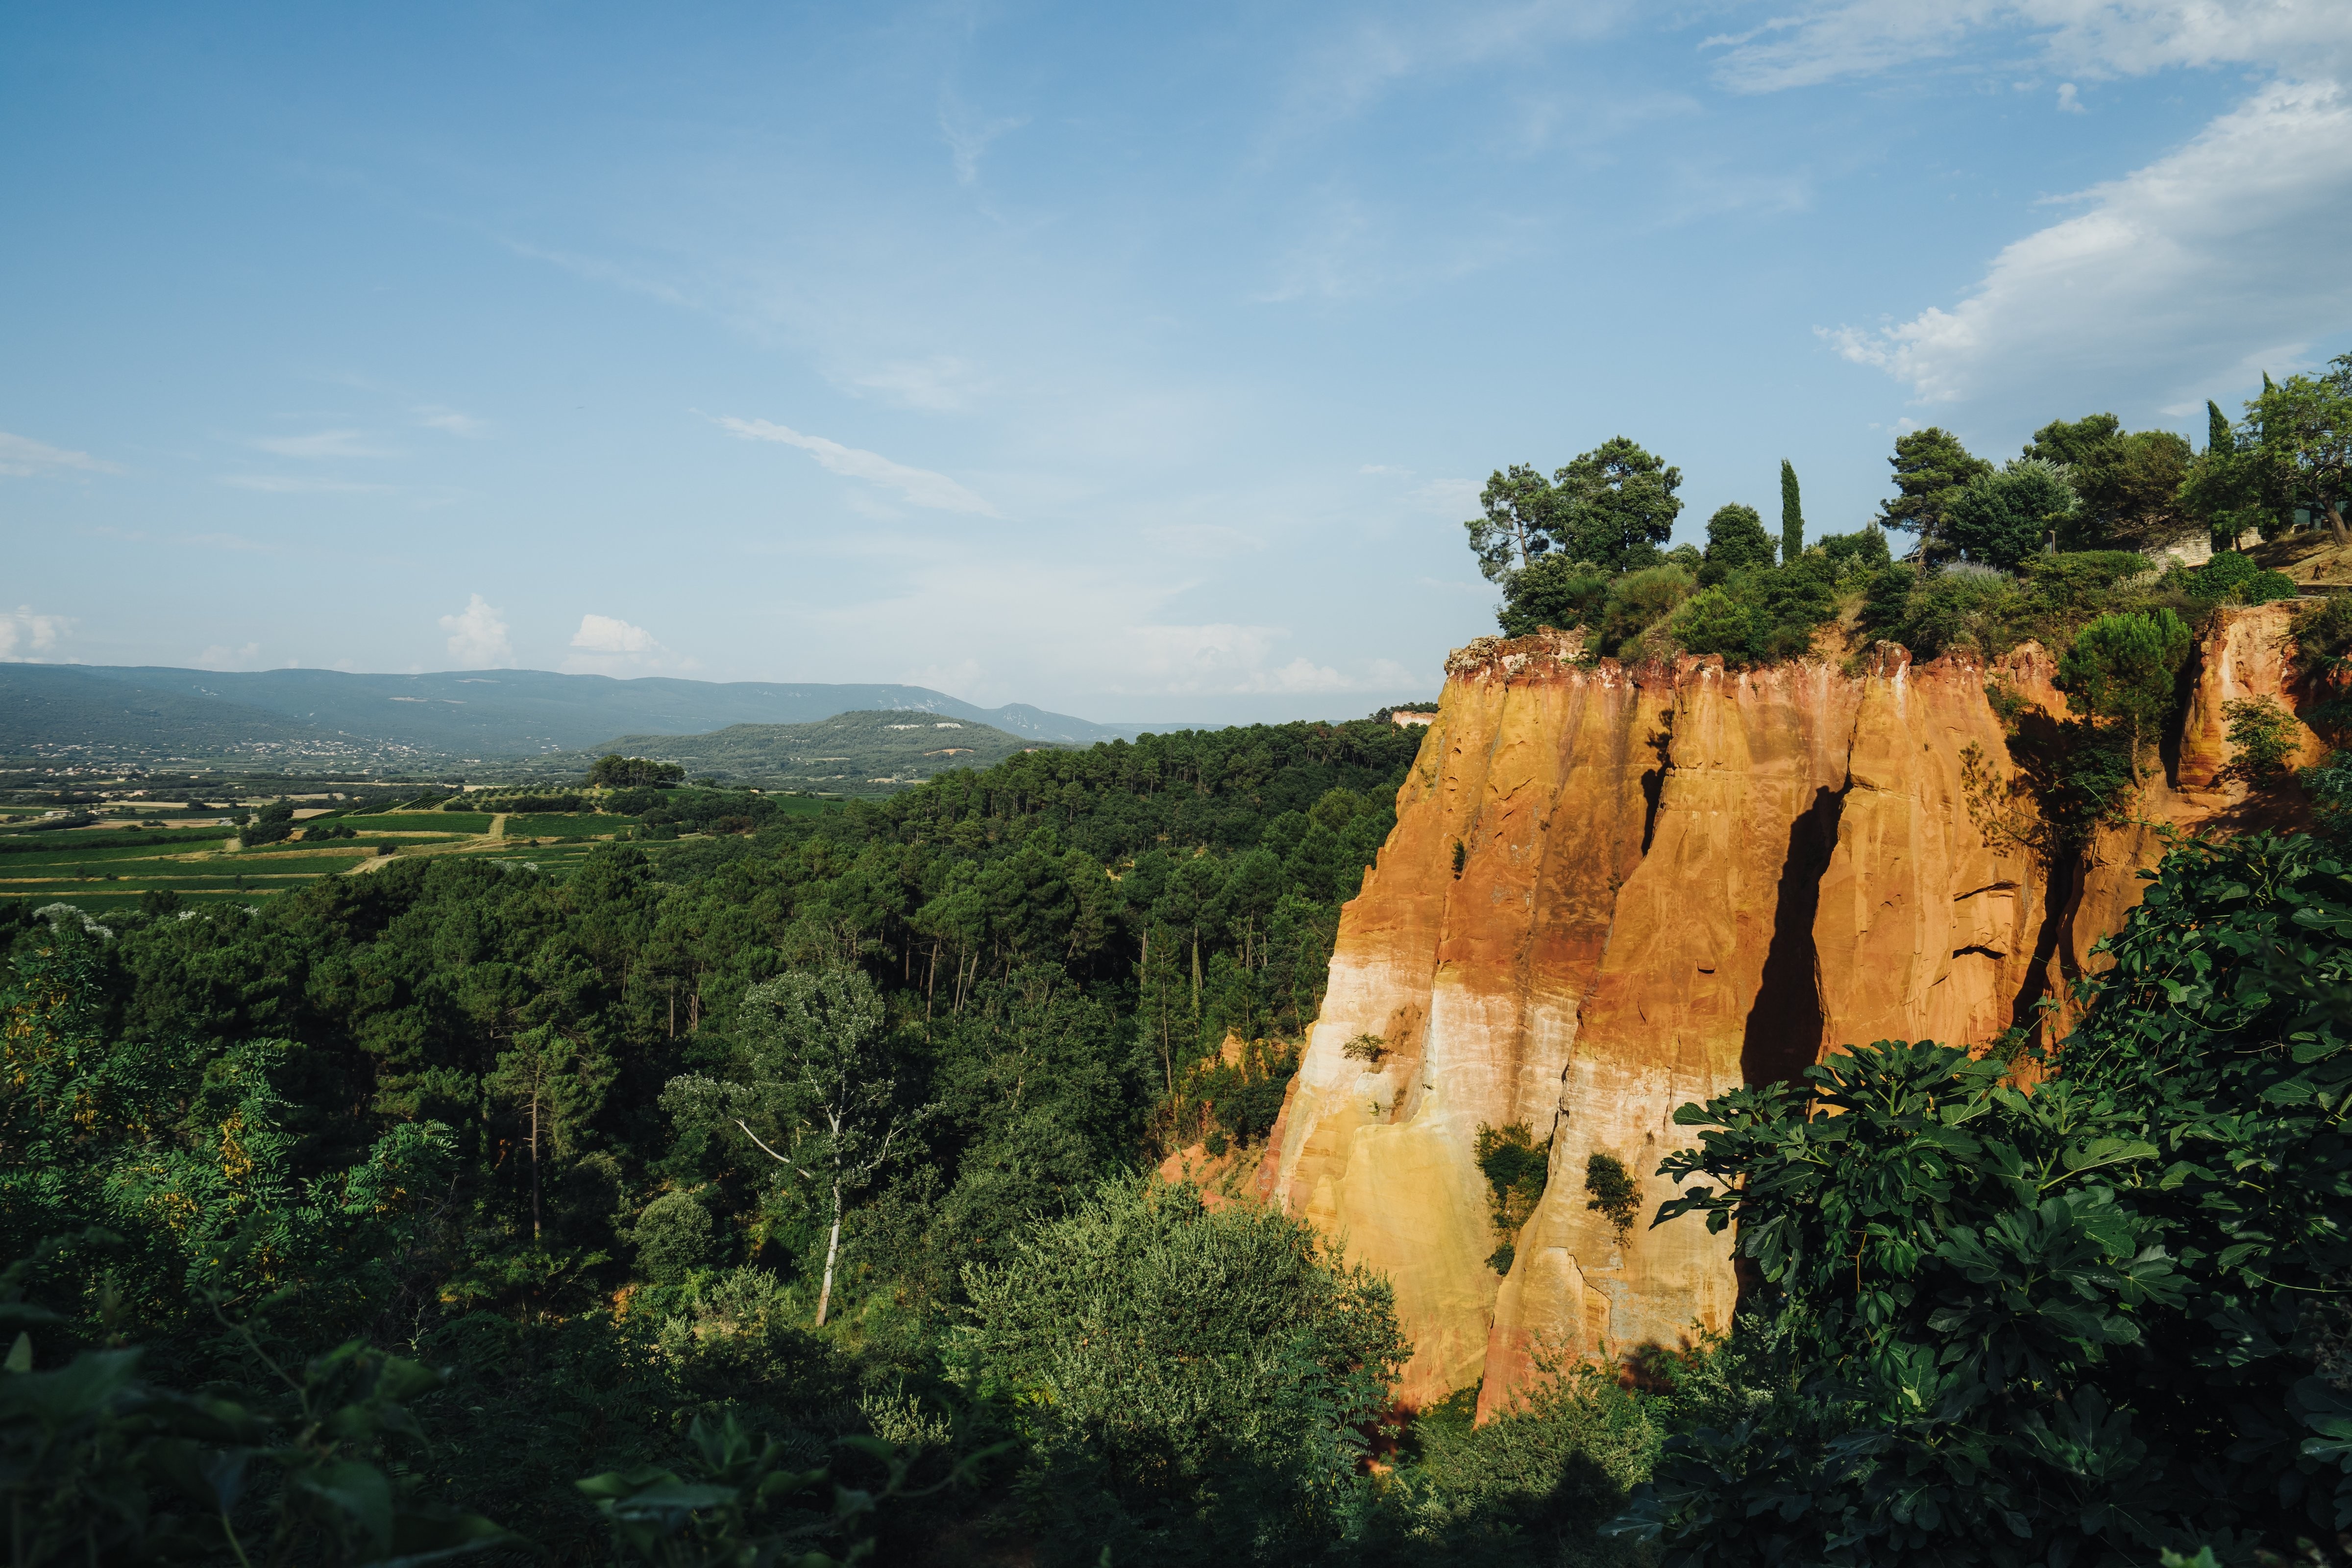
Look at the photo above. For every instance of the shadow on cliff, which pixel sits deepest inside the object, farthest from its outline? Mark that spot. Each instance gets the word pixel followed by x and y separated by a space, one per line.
pixel 1783 1034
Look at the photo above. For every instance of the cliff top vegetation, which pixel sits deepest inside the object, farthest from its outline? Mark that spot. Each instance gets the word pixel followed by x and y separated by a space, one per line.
pixel 2088 520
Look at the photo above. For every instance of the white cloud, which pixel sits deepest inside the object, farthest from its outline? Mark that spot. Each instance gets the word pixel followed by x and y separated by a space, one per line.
pixel 603 633
pixel 24 634
pixel 321 444
pixel 219 657
pixel 2069 103
pixel 1825 41
pixel 606 644
pixel 477 638
pixel 2183 277
pixel 941 383
pixel 449 422
pixel 21 456
pixel 1385 469
pixel 917 486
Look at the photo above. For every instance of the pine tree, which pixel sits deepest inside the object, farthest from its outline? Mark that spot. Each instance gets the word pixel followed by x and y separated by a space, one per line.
pixel 2218 436
pixel 1793 516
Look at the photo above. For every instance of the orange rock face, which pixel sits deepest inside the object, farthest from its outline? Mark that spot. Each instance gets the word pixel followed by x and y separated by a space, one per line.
pixel 1611 892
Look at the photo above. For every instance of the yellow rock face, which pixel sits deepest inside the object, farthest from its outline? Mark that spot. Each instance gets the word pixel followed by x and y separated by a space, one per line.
pixel 1611 892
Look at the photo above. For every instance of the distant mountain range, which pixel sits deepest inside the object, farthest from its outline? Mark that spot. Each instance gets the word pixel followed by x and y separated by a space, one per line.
pixel 327 717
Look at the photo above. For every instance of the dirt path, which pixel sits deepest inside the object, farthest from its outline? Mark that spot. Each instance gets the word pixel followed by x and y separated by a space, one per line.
pixel 497 826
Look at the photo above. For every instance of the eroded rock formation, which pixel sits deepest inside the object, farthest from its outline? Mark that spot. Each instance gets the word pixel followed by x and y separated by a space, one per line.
pixel 1614 891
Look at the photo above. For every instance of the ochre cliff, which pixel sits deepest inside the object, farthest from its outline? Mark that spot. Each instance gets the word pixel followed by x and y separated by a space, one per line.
pixel 1613 891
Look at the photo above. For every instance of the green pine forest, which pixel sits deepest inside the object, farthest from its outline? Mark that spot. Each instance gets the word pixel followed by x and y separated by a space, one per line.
pixel 777 1186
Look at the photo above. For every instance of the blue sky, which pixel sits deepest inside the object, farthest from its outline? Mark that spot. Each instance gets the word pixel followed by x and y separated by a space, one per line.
pixel 1136 362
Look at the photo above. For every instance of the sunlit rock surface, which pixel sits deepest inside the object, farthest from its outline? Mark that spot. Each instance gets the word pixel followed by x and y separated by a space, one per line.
pixel 1613 891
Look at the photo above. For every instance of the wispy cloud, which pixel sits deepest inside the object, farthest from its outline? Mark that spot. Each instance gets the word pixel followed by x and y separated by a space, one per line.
pixel 478 636
pixel 1823 42
pixel 2172 277
pixel 941 383
pixel 26 633
pixel 917 486
pixel 323 444
pixel 449 422
pixel 21 456
pixel 1356 67
pixel 296 484
pixel 968 139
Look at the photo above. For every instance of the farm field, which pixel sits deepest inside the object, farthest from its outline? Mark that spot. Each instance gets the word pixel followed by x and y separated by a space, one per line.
pixel 98 876
pixel 545 825
pixel 421 821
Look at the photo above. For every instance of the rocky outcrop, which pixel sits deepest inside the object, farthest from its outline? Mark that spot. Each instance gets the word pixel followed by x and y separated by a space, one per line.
pixel 1613 891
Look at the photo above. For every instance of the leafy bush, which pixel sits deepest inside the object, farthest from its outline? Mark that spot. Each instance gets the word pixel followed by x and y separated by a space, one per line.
pixel 1940 611
pixel 1640 600
pixel 1538 1479
pixel 1856 557
pixel 1195 1385
pixel 1715 621
pixel 2261 739
pixel 1516 1169
pixel 2084 1323
pixel 673 1237
pixel 1552 591
pixel 2231 578
pixel 1612 1192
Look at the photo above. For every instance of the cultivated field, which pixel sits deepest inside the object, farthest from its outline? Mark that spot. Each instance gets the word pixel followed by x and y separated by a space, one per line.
pixel 97 876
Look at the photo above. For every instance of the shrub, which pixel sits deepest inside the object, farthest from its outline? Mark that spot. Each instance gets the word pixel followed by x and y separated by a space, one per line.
pixel 1714 621
pixel 1612 1192
pixel 1551 1467
pixel 1195 1385
pixel 1516 1168
pixel 2231 578
pixel 1957 608
pixel 2079 584
pixel 673 1237
pixel 2261 739
pixel 1857 557
pixel 1552 591
pixel 1640 600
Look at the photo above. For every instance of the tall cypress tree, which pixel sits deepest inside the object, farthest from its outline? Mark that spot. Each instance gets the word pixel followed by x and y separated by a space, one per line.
pixel 1793 516
pixel 2218 435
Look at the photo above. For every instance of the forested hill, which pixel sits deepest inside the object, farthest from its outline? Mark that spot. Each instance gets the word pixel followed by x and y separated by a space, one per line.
pixel 442 1086
pixel 131 711
pixel 849 753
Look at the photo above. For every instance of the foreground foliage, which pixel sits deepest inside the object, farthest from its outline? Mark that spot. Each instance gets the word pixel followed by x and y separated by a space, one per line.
pixel 2075 1325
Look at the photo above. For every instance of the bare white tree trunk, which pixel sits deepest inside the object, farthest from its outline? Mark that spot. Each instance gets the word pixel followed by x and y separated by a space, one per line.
pixel 832 1247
